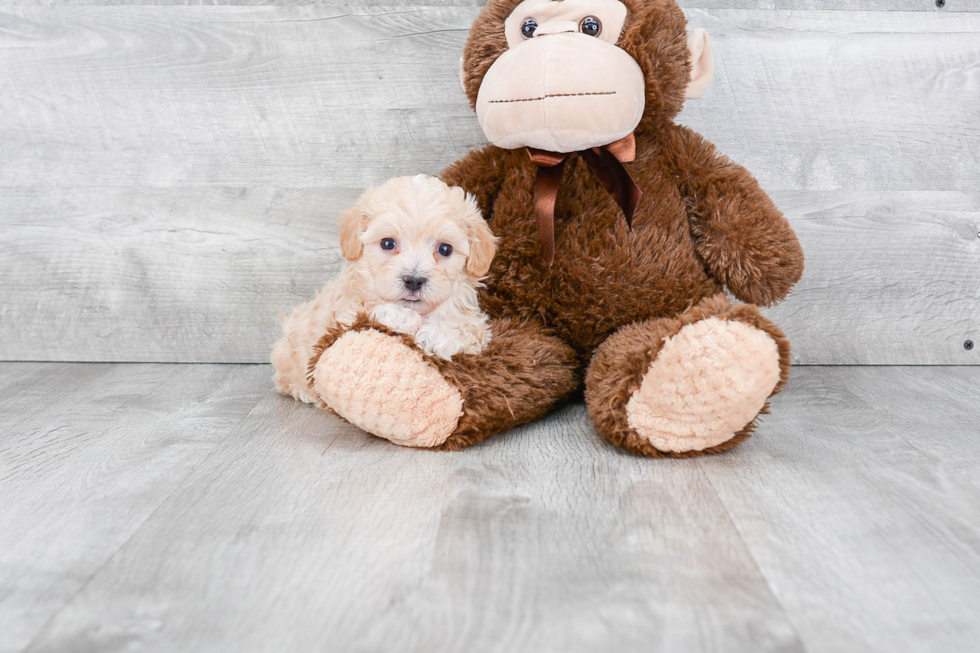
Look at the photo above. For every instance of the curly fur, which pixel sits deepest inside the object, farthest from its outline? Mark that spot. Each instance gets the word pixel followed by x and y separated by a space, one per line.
pixel 445 317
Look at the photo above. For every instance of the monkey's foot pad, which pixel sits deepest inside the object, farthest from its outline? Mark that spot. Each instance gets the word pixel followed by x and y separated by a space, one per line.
pixel 378 383
pixel 708 382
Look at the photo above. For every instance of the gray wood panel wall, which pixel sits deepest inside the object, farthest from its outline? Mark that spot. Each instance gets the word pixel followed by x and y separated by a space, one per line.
pixel 170 172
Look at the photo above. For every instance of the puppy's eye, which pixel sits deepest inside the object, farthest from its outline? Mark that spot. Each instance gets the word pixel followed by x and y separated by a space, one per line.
pixel 527 29
pixel 445 249
pixel 590 26
pixel 388 243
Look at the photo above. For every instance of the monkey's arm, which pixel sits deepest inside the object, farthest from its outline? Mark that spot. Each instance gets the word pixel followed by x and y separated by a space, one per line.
pixel 481 172
pixel 745 241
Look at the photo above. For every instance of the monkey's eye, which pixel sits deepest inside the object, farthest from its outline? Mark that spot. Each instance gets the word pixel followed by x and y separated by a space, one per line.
pixel 388 243
pixel 590 26
pixel 527 29
pixel 445 249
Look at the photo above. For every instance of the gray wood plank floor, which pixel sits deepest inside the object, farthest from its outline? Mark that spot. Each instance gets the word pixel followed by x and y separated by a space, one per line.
pixel 187 507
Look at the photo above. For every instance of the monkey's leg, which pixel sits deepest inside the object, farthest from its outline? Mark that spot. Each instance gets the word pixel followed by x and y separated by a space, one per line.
pixel 688 385
pixel 382 382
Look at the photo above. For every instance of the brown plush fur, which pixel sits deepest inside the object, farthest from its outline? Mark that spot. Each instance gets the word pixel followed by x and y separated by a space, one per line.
pixel 619 364
pixel 703 224
pixel 523 373
pixel 613 293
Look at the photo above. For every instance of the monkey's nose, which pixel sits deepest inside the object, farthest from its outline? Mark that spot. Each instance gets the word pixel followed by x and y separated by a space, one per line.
pixel 556 27
pixel 413 283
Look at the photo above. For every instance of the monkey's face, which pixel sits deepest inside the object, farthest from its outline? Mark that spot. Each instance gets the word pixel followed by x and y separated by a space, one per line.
pixel 562 85
pixel 567 75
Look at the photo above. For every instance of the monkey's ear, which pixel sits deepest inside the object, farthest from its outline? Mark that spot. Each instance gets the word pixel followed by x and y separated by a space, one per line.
pixel 352 225
pixel 702 63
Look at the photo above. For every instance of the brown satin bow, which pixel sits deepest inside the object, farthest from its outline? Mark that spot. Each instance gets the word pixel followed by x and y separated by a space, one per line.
pixel 606 163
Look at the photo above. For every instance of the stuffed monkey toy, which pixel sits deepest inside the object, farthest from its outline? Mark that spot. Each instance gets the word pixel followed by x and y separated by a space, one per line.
pixel 619 233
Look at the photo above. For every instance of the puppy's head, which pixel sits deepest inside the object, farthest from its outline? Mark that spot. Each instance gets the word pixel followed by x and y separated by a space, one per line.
pixel 418 238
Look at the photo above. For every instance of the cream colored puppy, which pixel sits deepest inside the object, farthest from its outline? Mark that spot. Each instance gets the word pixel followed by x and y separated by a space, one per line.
pixel 416 250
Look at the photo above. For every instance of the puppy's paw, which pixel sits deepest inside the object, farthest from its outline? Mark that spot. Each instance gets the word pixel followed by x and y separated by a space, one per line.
pixel 397 318
pixel 306 399
pixel 440 339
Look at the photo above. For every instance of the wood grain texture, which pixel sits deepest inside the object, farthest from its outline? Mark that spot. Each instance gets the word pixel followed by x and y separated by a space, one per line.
pixel 835 5
pixel 783 5
pixel 860 501
pixel 350 96
pixel 302 533
pixel 238 96
pixel 817 100
pixel 151 274
pixel 890 279
pixel 849 522
pixel 87 454
pixel 201 274
pixel 171 174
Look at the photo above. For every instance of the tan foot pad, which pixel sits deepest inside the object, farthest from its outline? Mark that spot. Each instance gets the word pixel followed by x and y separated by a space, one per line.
pixel 707 383
pixel 377 383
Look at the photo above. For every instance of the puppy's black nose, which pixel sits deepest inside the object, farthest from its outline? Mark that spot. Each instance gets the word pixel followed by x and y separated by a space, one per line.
pixel 413 283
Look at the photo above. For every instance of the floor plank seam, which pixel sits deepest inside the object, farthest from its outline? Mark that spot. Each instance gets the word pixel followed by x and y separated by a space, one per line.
pixel 755 561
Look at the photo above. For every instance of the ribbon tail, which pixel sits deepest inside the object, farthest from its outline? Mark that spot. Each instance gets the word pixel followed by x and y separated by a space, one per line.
pixel 545 196
pixel 614 177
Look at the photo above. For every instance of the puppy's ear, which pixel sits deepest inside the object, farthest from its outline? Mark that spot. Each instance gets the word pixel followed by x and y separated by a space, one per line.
pixel 483 245
pixel 352 224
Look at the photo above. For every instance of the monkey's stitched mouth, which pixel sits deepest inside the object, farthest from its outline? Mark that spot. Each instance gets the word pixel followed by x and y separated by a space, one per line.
pixel 544 97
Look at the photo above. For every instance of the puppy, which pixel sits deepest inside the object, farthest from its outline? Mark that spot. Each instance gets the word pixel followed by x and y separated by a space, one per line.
pixel 415 251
